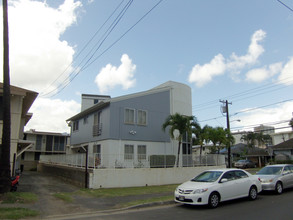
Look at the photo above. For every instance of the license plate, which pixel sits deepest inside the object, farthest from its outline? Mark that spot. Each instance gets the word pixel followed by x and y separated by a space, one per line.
pixel 181 198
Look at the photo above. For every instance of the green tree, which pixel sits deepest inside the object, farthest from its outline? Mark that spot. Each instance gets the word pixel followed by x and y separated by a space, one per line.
pixel 180 123
pixel 201 136
pixel 253 138
pixel 218 136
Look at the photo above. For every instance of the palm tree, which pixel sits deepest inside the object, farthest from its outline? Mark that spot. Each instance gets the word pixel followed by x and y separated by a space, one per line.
pixel 252 137
pixel 182 124
pixel 201 136
pixel 218 136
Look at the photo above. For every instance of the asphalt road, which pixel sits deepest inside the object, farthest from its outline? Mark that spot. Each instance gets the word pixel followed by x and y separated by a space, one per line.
pixel 268 206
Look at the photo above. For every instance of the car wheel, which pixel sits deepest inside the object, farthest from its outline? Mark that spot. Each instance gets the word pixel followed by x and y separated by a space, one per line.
pixel 252 193
pixel 214 200
pixel 279 188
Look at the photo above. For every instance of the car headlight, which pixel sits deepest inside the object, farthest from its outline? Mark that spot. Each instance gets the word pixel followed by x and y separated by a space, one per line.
pixel 198 191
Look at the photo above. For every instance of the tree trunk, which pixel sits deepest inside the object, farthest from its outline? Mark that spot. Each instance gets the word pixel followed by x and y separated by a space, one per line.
pixel 178 154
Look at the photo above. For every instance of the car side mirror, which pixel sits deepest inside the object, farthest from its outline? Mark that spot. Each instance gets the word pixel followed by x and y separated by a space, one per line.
pixel 224 180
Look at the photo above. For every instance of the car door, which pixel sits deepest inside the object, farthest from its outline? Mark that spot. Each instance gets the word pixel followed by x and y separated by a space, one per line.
pixel 291 176
pixel 286 177
pixel 228 189
pixel 242 183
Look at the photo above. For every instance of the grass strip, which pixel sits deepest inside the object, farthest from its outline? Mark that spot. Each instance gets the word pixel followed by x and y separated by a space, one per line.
pixel 17 213
pixel 128 191
pixel 146 201
pixel 18 197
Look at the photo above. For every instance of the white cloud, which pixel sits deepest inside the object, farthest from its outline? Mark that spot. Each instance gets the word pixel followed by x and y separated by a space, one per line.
pixel 51 114
pixel 286 74
pixel 260 74
pixel 112 76
pixel 253 53
pixel 270 116
pixel 37 55
pixel 200 75
pixel 203 74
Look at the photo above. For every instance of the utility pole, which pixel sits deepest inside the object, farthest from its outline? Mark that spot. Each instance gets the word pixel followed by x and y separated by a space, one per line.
pixel 226 103
pixel 6 130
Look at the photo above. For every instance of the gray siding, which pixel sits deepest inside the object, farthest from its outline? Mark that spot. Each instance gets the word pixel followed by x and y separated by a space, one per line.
pixel 157 107
pixel 112 118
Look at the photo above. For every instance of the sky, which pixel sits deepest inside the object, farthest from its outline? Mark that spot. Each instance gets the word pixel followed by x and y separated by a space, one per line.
pixel 234 50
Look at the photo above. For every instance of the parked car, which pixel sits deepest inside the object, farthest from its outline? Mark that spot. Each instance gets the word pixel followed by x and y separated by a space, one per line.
pixel 214 186
pixel 276 177
pixel 244 164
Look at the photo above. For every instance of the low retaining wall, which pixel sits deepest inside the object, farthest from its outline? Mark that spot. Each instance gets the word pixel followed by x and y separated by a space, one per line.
pixel 111 178
pixel 73 175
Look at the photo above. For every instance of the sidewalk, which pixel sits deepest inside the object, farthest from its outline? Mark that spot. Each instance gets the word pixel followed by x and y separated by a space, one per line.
pixel 45 186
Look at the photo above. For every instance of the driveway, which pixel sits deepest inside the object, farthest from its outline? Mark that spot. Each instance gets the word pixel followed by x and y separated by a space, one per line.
pixel 45 187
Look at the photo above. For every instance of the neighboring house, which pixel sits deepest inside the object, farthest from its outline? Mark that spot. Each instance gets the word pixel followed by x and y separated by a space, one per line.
pixel 125 131
pixel 259 156
pixel 206 149
pixel 284 150
pixel 42 143
pixel 21 101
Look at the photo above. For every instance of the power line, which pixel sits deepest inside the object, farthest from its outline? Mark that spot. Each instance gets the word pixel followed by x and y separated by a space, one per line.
pixel 88 63
pixel 285 5
pixel 265 87
pixel 77 70
pixel 247 110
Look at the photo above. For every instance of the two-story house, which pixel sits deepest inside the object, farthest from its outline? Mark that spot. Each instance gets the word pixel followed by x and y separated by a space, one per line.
pixel 126 131
pixel 20 102
pixel 42 143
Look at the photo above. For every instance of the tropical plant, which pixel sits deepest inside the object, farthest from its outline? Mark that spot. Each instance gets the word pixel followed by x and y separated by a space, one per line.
pixel 201 136
pixel 182 124
pixel 252 137
pixel 218 136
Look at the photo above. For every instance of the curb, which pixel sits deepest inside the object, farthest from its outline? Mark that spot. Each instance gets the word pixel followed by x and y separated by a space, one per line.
pixel 76 215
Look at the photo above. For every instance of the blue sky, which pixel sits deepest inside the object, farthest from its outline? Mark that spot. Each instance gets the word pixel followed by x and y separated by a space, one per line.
pixel 240 51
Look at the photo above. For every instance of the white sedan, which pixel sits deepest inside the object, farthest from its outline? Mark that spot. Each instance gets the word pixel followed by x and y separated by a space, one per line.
pixel 214 186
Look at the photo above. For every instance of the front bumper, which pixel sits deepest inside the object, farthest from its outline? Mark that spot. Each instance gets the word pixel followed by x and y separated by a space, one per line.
pixel 268 186
pixel 192 199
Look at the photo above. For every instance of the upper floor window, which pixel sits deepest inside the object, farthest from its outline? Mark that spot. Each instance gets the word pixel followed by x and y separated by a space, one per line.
pixel 141 117
pixel 129 116
pixel 85 120
pixel 75 126
pixel 97 127
pixel 39 142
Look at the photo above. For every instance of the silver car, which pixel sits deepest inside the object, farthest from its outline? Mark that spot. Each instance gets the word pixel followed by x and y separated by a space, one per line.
pixel 276 177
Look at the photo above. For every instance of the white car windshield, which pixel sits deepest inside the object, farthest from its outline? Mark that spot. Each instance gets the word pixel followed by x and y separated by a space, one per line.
pixel 208 176
pixel 270 171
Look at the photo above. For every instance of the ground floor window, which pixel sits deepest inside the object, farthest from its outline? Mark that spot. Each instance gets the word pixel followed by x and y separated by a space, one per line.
pixel 141 152
pixel 128 152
